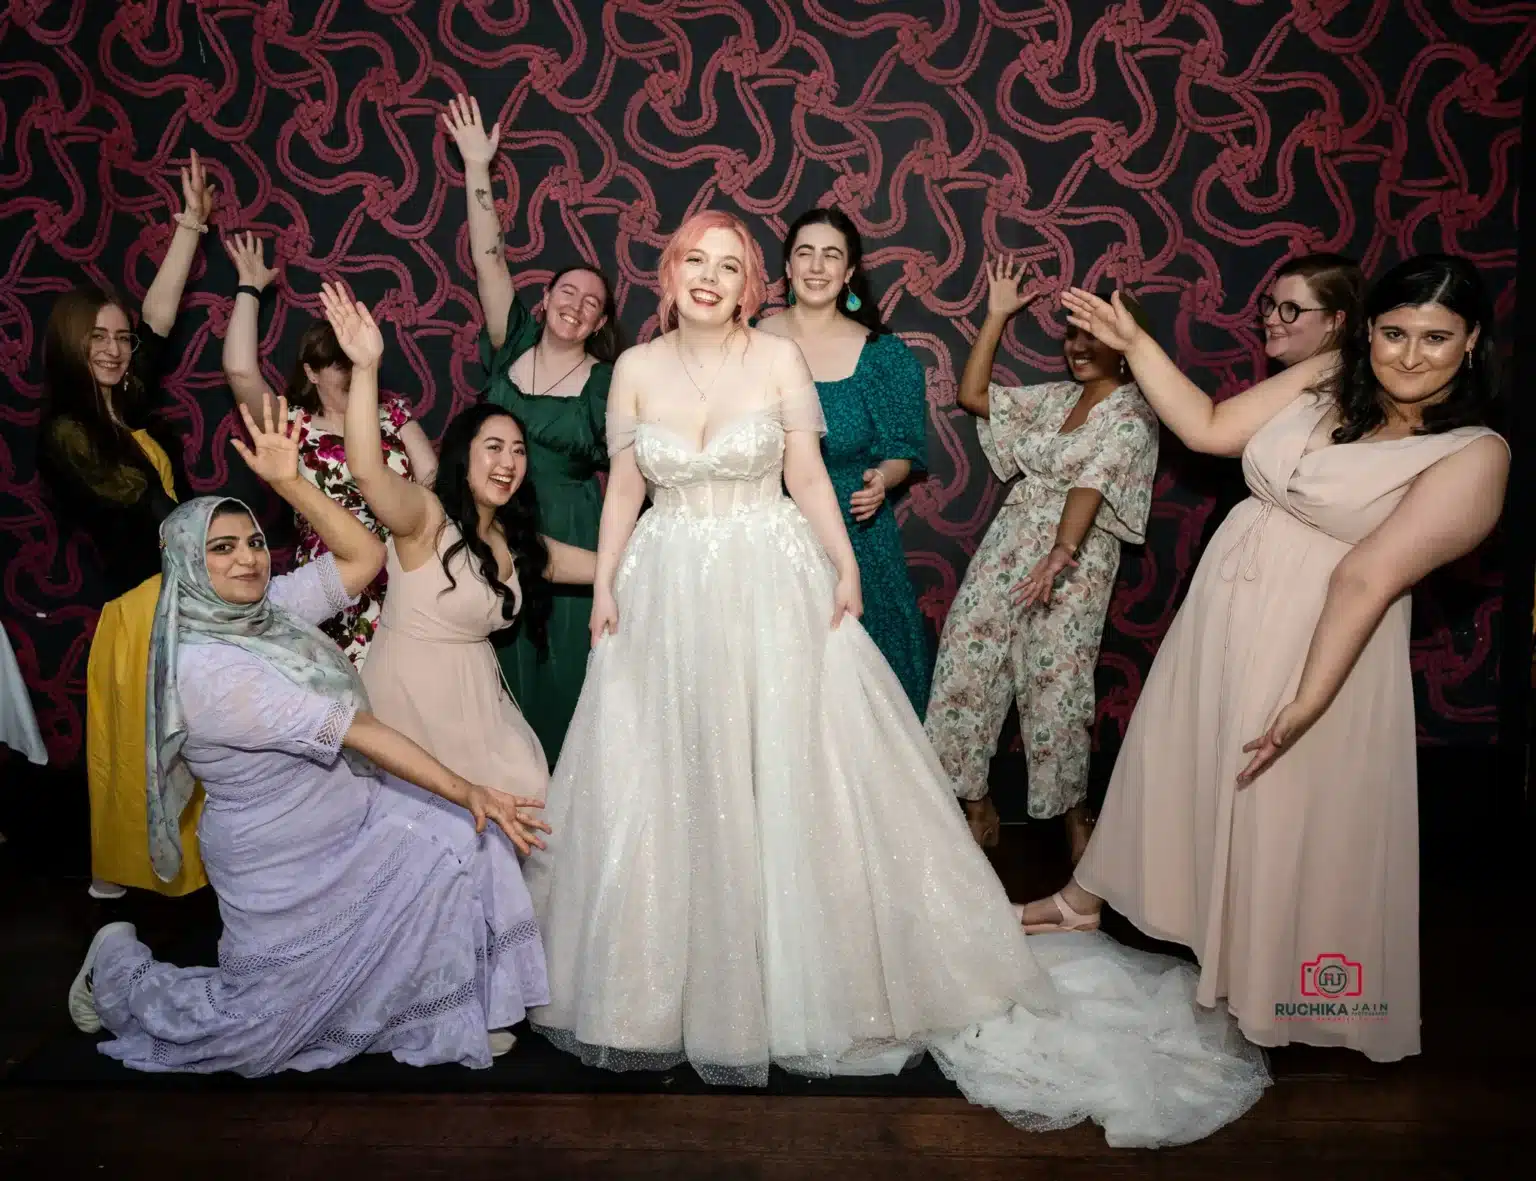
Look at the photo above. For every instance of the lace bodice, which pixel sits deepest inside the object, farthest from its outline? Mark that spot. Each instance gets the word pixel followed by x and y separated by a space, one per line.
pixel 717 456
pixel 740 468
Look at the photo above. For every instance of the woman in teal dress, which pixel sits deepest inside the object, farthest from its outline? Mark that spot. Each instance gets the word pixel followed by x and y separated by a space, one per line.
pixel 549 368
pixel 876 406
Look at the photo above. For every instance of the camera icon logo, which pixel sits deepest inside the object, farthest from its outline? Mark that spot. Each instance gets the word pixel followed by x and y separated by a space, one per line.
pixel 1332 976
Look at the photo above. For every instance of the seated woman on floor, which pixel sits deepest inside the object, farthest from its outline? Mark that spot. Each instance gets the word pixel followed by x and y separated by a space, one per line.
pixel 361 914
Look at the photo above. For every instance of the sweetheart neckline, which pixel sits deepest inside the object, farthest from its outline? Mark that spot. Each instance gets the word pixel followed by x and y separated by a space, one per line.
pixel 722 432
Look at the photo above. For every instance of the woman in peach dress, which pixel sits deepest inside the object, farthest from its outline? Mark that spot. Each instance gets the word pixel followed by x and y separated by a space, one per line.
pixel 465 561
pixel 1264 808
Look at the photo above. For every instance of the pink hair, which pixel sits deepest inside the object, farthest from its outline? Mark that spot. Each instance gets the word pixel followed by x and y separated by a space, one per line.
pixel 687 237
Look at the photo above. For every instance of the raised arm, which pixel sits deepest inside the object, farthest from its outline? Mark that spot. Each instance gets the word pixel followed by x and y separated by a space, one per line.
pixel 625 494
pixel 274 456
pixel 402 507
pixel 1215 428
pixel 805 474
pixel 397 754
pixel 1446 513
pixel 478 149
pixel 242 367
pixel 421 453
pixel 1004 300
pixel 163 299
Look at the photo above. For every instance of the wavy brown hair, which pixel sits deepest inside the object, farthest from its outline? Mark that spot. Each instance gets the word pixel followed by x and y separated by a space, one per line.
pixel 71 391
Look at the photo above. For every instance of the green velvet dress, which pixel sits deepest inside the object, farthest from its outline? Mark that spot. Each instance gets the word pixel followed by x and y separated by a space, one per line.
pixel 880 412
pixel 567 447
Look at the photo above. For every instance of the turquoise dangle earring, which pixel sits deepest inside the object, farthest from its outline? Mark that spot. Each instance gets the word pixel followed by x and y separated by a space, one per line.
pixel 853 303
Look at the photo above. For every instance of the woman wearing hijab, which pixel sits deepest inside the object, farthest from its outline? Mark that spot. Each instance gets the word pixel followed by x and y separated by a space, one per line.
pixel 361 914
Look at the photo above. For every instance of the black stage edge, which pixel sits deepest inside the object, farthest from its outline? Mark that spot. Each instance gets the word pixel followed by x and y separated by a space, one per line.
pixel 533 1067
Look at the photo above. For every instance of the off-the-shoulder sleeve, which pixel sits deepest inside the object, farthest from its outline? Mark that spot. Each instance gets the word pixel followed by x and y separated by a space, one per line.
pixel 235 700
pixel 799 403
pixel 622 416
pixel 1011 410
pixel 314 592
pixel 1123 467
pixel 521 332
pixel 898 404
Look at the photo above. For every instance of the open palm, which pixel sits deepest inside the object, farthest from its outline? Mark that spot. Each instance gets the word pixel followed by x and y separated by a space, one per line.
pixel 354 326
pixel 274 450
pixel 1005 296
pixel 1110 322
pixel 462 119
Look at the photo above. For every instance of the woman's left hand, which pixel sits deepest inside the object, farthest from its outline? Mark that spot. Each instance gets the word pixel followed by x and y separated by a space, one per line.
pixel 1041 581
pixel 356 332
pixel 274 451
pixel 847 599
pixel 509 813
pixel 1290 724
pixel 196 192
pixel 866 502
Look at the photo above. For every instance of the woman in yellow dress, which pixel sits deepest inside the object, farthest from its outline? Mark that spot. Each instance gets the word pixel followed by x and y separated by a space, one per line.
pixel 112 480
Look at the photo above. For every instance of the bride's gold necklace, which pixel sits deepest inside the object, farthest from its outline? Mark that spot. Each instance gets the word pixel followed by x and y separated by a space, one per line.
pixel 725 355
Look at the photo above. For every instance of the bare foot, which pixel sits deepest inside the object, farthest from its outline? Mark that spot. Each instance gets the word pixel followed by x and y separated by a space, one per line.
pixel 1045 910
pixel 1079 831
pixel 985 824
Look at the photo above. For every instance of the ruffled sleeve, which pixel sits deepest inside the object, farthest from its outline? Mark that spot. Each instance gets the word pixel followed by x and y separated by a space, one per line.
pixel 1011 412
pixel 899 407
pixel 522 331
pixel 1123 466
pixel 798 402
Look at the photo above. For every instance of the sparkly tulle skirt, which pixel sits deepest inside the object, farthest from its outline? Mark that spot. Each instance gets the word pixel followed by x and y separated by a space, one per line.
pixel 756 859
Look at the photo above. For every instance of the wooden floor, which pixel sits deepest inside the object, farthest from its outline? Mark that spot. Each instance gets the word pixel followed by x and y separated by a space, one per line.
pixel 1463 1109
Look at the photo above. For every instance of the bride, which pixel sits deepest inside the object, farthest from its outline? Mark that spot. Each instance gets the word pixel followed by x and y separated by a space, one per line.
pixel 755 855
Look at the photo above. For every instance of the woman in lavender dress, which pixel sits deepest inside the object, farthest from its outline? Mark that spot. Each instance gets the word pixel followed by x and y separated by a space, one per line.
pixel 361 913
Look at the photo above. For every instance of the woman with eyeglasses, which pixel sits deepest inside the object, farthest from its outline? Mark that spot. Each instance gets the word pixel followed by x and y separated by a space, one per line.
pixel 1263 810
pixel 1310 306
pixel 108 465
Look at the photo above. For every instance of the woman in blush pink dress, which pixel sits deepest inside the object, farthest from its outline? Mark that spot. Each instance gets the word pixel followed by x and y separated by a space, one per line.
pixel 1264 809
pixel 465 561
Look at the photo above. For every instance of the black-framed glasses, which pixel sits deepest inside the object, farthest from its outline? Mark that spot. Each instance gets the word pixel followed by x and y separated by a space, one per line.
pixel 1288 309
pixel 101 338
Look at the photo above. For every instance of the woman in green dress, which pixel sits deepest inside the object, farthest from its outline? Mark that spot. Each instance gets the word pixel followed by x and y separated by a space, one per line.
pixel 875 401
pixel 549 368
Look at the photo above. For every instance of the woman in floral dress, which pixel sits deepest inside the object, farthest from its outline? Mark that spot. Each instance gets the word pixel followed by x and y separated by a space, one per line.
pixel 876 407
pixel 317 401
pixel 1086 452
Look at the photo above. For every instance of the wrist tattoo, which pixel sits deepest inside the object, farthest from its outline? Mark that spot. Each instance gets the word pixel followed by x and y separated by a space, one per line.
pixel 483 196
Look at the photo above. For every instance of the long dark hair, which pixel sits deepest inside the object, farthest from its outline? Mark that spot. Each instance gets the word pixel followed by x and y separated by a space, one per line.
pixel 70 389
pixel 1336 282
pixel 319 349
pixel 608 341
pixel 868 311
pixel 518 518
pixel 1471 396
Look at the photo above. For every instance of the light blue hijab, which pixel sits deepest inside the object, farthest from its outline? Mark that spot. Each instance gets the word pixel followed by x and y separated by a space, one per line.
pixel 191 612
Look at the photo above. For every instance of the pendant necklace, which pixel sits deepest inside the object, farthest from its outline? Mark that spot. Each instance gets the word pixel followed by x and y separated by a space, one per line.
pixel 533 383
pixel 703 390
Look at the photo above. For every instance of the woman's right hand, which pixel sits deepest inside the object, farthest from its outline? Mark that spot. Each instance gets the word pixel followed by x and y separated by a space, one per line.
pixel 249 254
pixel 1004 298
pixel 355 329
pixel 510 814
pixel 1110 323
pixel 462 118
pixel 605 614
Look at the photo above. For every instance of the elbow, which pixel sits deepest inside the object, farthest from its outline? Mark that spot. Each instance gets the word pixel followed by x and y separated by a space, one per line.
pixel 973 401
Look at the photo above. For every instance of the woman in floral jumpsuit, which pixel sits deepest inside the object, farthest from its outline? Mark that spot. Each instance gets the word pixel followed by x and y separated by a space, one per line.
pixel 1026 622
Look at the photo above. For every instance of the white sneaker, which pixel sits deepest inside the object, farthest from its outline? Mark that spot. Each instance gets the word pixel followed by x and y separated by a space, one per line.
pixel 502 1041
pixel 105 890
pixel 82 1005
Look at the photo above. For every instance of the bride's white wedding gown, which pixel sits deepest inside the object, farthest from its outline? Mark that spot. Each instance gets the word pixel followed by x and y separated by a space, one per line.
pixel 756 857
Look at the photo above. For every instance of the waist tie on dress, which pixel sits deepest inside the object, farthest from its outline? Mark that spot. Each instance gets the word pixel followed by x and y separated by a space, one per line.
pixel 1242 556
